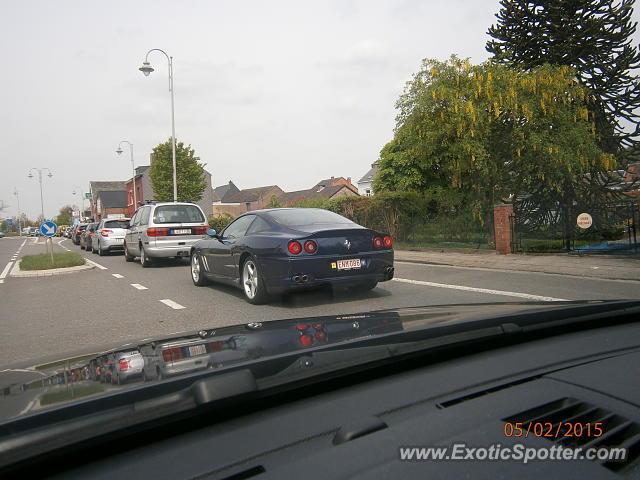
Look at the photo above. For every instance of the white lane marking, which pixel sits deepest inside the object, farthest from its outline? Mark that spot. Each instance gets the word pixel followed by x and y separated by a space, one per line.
pixel 96 264
pixel 29 406
pixel 5 272
pixel 481 290
pixel 172 304
pixel 62 246
pixel 117 275
pixel 138 286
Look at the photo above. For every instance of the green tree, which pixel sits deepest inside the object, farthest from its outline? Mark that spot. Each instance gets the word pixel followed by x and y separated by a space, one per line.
pixel 64 215
pixel 189 172
pixel 274 202
pixel 592 36
pixel 474 135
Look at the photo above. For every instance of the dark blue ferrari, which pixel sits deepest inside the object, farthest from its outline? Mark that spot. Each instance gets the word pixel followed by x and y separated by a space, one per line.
pixel 283 249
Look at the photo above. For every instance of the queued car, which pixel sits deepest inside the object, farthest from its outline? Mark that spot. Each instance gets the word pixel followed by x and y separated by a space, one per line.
pixel 109 236
pixel 87 236
pixel 164 230
pixel 278 250
pixel 125 365
pixel 76 232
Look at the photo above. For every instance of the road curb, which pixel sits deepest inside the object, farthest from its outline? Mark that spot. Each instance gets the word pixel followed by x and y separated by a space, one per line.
pixel 519 270
pixel 17 272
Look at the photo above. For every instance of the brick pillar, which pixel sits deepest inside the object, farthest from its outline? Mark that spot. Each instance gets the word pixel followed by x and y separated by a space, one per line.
pixel 501 214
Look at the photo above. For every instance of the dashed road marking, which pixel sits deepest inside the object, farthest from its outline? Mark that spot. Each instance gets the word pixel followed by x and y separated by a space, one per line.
pixel 481 290
pixel 138 286
pixel 172 304
pixel 96 264
pixel 117 275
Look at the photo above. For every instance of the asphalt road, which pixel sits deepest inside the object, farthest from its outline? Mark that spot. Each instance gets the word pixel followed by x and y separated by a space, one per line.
pixel 120 302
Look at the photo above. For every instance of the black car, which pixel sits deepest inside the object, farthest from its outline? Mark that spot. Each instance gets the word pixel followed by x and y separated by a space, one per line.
pixel 283 249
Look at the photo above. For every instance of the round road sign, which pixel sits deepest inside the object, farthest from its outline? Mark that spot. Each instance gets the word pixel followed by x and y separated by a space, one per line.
pixel 584 220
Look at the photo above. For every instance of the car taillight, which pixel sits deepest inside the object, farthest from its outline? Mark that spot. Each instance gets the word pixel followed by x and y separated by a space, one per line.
pixel 306 340
pixel 294 247
pixel 157 232
pixel 200 230
pixel 321 336
pixel 124 365
pixel 302 327
pixel 317 326
pixel 310 246
pixel 387 242
pixel 377 242
pixel 90 234
pixel 105 233
pixel 172 354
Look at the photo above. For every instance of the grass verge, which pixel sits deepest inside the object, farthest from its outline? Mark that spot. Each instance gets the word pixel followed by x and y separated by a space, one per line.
pixel 73 391
pixel 43 261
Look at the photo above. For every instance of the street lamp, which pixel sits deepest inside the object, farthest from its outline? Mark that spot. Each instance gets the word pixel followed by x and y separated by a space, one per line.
pixel 39 170
pixel 81 201
pixel 15 192
pixel 146 68
pixel 133 170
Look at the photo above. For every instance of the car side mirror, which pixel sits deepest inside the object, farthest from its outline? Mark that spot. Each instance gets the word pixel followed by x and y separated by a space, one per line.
pixel 212 233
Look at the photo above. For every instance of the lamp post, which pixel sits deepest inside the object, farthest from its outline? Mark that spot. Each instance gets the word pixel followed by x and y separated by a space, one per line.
pixel 146 68
pixel 15 192
pixel 133 170
pixel 81 202
pixel 39 170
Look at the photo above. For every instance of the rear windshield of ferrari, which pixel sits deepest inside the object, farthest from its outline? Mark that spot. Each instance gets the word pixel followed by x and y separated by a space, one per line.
pixel 300 217
pixel 177 214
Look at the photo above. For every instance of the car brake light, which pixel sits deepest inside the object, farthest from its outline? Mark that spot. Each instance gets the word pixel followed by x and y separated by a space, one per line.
pixel 157 232
pixel 124 365
pixel 200 230
pixel 306 340
pixel 377 242
pixel 302 327
pixel 294 247
pixel 172 354
pixel 310 246
pixel 105 233
pixel 388 242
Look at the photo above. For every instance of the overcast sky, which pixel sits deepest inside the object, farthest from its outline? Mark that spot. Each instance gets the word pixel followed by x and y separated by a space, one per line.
pixel 267 92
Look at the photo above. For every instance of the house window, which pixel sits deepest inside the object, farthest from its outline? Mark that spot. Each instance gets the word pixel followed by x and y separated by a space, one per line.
pixel 367 192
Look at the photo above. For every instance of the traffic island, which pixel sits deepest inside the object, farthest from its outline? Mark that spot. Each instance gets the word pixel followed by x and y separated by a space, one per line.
pixel 42 266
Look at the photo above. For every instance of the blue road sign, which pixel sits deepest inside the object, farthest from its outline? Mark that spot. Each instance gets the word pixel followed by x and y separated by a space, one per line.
pixel 48 229
pixel 9 222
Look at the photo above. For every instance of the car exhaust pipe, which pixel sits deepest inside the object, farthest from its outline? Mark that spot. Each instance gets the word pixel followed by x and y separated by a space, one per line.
pixel 304 278
pixel 296 278
pixel 389 272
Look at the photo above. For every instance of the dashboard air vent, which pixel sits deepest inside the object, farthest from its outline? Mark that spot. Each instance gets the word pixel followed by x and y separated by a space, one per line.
pixel 576 424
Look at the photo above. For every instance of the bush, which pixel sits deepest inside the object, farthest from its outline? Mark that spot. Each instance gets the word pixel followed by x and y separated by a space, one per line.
pixel 219 222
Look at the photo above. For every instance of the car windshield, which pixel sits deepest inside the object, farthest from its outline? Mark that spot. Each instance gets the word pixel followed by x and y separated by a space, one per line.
pixel 116 224
pixel 306 217
pixel 177 214
pixel 313 162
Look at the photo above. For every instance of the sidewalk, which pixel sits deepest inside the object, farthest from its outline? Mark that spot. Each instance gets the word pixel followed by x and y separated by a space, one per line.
pixel 596 266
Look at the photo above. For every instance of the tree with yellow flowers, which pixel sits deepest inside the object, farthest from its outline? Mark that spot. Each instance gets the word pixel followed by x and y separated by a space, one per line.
pixel 487 132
